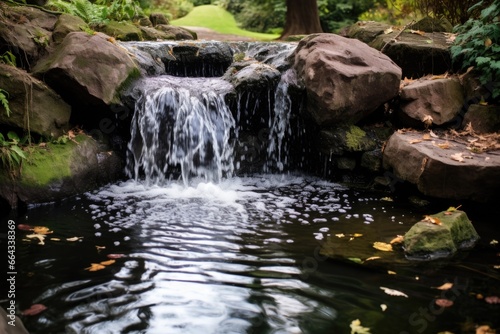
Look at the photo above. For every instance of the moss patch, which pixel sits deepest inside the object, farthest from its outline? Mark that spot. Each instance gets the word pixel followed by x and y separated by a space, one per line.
pixel 50 163
pixel 354 138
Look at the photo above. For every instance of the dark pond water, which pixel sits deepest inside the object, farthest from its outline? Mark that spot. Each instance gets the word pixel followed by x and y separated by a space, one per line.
pixel 240 257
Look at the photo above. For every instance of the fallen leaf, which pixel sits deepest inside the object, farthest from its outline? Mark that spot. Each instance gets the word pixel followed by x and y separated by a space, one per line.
pixel 479 296
pixel 457 157
pixel 444 146
pixel 40 237
pixel 392 292
pixel 494 242
pixel 415 141
pixel 115 256
pixel 433 135
pixel 108 262
pixel 418 32
pixel 427 120
pixel 340 235
pixel 485 329
pixel 357 235
pixel 426 137
pixel 373 258
pixel 34 309
pixel 388 31
pixel 492 300
pixel 487 42
pixel 356 328
pixel 383 307
pixel 382 246
pixel 432 220
pixel 496 267
pixel 445 286
pixel 397 240
pixel 95 267
pixel 24 227
pixel 390 272
pixel 387 199
pixel 441 302
pixel 74 239
pixel 99 248
pixel 41 230
pixel 355 260
pixel 55 239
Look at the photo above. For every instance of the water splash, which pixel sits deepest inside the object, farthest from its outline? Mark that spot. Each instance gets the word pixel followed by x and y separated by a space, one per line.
pixel 181 123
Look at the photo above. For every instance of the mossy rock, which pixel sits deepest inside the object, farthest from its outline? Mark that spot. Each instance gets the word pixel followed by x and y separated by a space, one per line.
pixel 55 171
pixel 428 241
pixel 66 24
pixel 123 31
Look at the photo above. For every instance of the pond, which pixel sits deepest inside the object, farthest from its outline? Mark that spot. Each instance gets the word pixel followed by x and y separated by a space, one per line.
pixel 241 256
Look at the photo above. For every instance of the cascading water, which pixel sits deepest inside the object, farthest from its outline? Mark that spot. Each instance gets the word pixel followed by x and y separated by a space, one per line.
pixel 181 122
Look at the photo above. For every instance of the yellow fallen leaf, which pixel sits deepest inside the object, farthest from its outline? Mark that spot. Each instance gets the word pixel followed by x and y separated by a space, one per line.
pixel 340 235
pixel 387 199
pixel 41 230
pixel 445 286
pixel 493 242
pixel 74 238
pixel 382 246
pixel 397 240
pixel 40 237
pixel 444 146
pixel 108 262
pixel 373 258
pixel 55 239
pixel 356 328
pixel 95 267
pixel 432 220
pixel 390 272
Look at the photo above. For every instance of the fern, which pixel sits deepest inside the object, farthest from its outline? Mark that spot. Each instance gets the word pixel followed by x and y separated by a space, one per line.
pixel 84 9
pixel 478 44
pixel 4 101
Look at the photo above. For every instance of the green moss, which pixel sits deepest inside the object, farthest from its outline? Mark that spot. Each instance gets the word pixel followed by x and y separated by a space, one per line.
pixel 49 163
pixel 354 138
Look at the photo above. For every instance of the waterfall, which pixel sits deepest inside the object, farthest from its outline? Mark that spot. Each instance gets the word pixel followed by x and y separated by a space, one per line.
pixel 181 123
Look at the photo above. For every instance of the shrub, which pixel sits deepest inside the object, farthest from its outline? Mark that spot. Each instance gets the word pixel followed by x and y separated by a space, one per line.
pixel 478 44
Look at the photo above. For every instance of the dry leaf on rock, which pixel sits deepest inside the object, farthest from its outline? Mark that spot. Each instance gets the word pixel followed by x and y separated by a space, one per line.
pixel 392 292
pixel 418 32
pixel 382 246
pixel 415 141
pixel 388 31
pixel 432 220
pixel 445 286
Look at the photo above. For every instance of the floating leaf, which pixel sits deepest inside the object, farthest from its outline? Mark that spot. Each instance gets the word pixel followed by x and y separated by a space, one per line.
pixel 432 220
pixel 340 235
pixel 40 237
pixel 55 239
pixel 383 307
pixel 387 199
pixel 492 300
pixel 494 242
pixel 24 227
pixel 355 260
pixel 357 235
pixel 95 267
pixel 382 246
pixel 108 262
pixel 445 286
pixel 485 329
pixel 34 309
pixel 373 258
pixel 397 240
pixel 392 292
pixel 99 248
pixel 74 239
pixel 356 328
pixel 115 256
pixel 41 230
pixel 390 272
pixel 442 302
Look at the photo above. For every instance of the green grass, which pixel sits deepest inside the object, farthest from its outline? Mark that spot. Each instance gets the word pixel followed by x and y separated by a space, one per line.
pixel 219 20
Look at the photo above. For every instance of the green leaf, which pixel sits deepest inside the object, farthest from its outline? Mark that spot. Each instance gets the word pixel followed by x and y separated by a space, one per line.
pixel 13 136
pixel 19 152
pixel 482 60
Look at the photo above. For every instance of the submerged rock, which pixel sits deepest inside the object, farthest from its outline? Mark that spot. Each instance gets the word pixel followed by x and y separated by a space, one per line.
pixel 345 79
pixel 428 241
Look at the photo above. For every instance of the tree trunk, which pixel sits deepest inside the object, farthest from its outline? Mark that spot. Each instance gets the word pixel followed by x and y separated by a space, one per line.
pixel 302 18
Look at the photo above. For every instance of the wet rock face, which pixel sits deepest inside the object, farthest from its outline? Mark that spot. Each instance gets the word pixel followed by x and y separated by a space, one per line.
pixel 345 79
pixel 451 171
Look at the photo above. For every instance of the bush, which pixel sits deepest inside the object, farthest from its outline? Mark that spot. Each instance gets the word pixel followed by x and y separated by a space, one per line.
pixel 478 44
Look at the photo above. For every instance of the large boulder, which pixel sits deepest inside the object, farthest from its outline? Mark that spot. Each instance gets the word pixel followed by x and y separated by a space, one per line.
pixel 66 24
pixel 56 171
pixel 34 106
pixel 26 32
pixel 418 54
pixel 440 236
pixel 345 79
pixel 88 70
pixel 252 75
pixel 443 168
pixel 441 99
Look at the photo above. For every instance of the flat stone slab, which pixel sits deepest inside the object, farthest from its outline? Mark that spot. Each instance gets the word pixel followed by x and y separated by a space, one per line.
pixel 443 168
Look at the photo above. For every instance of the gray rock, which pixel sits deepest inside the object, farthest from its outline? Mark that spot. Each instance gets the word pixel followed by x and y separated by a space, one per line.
pixel 483 119
pixel 158 18
pixel 372 160
pixel 252 75
pixel 441 99
pixel 88 70
pixel 66 24
pixel 366 31
pixel 436 173
pixel 432 24
pixel 345 79
pixel 34 106
pixel 176 33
